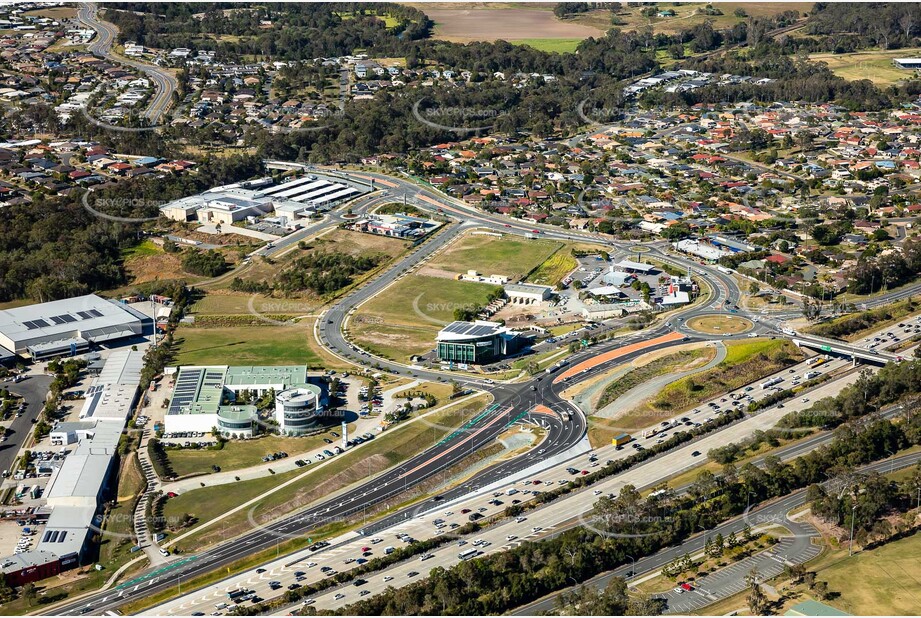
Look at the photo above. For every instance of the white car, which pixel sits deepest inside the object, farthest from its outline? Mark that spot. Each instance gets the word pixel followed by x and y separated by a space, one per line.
pixel 309 601
pixel 339 596
pixel 388 578
pixel 805 399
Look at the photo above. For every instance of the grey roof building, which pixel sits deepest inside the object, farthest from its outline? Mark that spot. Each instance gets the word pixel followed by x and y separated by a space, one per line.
pixel 69 326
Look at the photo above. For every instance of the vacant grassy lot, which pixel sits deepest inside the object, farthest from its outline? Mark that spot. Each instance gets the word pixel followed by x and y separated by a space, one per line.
pixel 875 65
pixel 554 268
pixel 388 449
pixel 679 361
pixel 686 15
pixel 405 318
pixel 238 454
pixel 245 345
pixel 559 46
pixel 880 582
pixel 746 361
pixel 510 256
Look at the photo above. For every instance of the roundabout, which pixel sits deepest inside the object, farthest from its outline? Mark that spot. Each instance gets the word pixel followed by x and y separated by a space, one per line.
pixel 714 324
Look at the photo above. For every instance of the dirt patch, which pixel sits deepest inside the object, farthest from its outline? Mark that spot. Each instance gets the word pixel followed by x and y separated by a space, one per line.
pixel 489 24
pixel 153 267
pixel 437 272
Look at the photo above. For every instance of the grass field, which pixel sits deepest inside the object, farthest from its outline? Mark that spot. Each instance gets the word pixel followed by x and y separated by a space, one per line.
pixel 679 361
pixel 746 361
pixel 404 319
pixel 554 268
pixel 559 46
pixel 142 249
pixel 720 324
pixel 245 345
pixel 238 454
pixel 875 66
pixel 385 451
pixel 510 256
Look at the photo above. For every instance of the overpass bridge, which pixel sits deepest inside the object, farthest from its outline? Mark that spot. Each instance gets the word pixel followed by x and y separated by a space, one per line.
pixel 839 348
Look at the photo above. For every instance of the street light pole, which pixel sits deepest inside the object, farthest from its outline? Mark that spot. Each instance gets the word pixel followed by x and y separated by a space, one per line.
pixel 850 544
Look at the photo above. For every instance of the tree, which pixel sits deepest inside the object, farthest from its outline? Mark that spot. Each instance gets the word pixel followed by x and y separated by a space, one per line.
pixel 757 602
pixel 28 593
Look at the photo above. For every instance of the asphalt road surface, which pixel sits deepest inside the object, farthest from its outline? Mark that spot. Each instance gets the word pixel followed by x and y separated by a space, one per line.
pixel 33 390
pixel 164 83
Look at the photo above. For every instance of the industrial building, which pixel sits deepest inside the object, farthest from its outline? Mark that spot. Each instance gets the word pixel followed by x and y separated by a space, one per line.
pixel 205 397
pixel 68 327
pixel 78 487
pixel 700 249
pixel 907 63
pixel 478 342
pixel 292 201
pixel 527 294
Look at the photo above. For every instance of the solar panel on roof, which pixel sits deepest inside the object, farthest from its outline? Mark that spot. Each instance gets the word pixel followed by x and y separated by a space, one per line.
pixel 95 313
pixel 84 315
pixel 68 318
pixel 29 324
pixel 57 319
pixel 41 323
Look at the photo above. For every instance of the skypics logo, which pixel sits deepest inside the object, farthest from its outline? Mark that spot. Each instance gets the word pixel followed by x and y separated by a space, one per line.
pixel 630 523
pixel 318 121
pixel 119 205
pixel 459 117
pixel 278 312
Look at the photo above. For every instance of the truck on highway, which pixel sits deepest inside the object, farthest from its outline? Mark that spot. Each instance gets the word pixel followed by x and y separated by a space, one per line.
pixel 771 382
pixel 235 595
pixel 621 439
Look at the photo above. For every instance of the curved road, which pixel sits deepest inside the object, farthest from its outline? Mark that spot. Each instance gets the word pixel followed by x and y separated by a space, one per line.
pixel 164 83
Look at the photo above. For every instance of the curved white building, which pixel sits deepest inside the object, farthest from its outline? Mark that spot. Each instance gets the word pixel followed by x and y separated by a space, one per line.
pixel 297 409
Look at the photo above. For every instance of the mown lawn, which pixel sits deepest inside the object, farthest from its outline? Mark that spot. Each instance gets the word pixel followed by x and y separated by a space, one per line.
pixel 559 46
pixel 245 345
pixel 238 454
